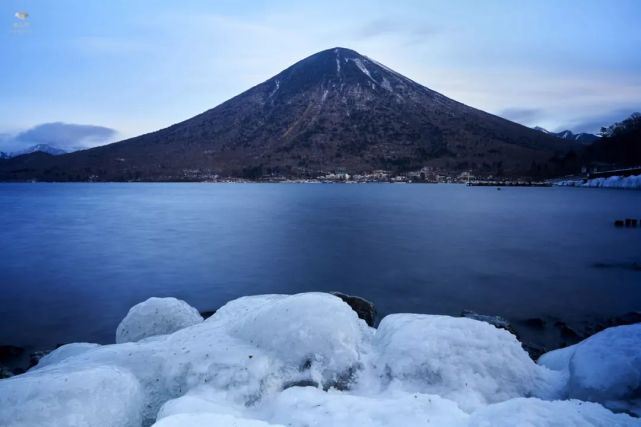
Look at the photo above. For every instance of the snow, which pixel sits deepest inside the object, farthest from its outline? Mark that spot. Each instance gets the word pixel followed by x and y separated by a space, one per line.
pixel 540 413
pixel 156 316
pixel 465 360
pixel 326 338
pixel 100 396
pixel 361 66
pixel 210 420
pixel 604 368
pixel 310 406
pixel 308 360
pixel 627 182
pixel 386 85
pixel 276 87
pixel 64 352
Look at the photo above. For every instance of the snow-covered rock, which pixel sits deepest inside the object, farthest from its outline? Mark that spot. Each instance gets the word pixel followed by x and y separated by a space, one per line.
pixel 310 406
pixel 540 413
pixel 156 316
pixel 307 360
pixel 468 361
pixel 210 420
pixel 314 331
pixel 603 368
pixel 313 407
pixel 100 396
pixel 64 352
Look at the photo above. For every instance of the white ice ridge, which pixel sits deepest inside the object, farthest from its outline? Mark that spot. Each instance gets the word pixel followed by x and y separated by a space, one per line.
pixel 622 182
pixel 308 360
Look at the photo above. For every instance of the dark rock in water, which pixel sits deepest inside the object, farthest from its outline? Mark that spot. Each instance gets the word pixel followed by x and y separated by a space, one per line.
pixel 208 314
pixel 629 318
pixel 566 331
pixel 35 357
pixel 497 321
pixel 16 360
pixel 365 309
pixel 618 223
pixel 535 323
pixel 534 351
pixel 5 373
pixel 10 353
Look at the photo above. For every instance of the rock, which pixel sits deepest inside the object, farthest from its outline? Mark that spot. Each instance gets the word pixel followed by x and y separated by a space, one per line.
pixel 207 313
pixel 629 318
pixel 619 223
pixel 497 321
pixel 566 331
pixel 35 357
pixel 10 353
pixel 5 373
pixel 364 308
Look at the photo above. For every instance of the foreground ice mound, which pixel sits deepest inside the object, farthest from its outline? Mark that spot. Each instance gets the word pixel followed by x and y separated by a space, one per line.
pixel 315 332
pixel 468 361
pixel 156 316
pixel 603 368
pixel 301 360
pixel 64 352
pixel 540 413
pixel 100 396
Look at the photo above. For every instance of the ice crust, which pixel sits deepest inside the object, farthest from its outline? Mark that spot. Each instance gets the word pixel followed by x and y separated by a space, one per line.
pixel 308 360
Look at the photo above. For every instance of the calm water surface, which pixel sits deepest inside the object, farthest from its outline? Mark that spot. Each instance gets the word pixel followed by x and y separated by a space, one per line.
pixel 75 257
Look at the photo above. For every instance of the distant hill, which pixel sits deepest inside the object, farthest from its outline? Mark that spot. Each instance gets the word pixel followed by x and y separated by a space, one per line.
pixel 568 135
pixel 43 148
pixel 620 143
pixel 335 111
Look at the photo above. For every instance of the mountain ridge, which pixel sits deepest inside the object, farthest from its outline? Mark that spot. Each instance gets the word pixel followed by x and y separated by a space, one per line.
pixel 581 137
pixel 333 111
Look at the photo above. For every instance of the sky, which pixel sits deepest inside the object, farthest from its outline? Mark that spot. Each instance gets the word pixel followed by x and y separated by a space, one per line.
pixel 83 73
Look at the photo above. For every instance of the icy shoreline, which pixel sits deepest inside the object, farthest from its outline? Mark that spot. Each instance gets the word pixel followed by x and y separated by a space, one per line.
pixel 308 360
pixel 621 182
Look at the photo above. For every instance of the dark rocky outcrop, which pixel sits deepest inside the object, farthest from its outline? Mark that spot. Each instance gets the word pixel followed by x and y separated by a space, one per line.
pixel 363 308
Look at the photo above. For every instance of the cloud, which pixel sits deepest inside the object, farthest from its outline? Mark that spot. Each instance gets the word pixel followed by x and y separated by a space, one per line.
pixel 412 32
pixel 592 124
pixel 66 136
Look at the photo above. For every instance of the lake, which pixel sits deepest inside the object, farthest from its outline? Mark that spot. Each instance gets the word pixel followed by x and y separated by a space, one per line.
pixel 75 257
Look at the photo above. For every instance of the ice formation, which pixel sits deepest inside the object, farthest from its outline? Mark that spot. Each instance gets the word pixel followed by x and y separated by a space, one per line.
pixel 308 360
pixel 156 316
pixel 604 368
pixel 624 182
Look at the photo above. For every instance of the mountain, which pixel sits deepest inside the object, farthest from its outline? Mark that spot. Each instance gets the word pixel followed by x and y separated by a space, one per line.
pixel 620 144
pixel 568 135
pixel 44 148
pixel 333 111
pixel 4 155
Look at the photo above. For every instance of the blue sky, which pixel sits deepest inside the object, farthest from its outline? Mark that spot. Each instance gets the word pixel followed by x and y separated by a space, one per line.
pixel 139 65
